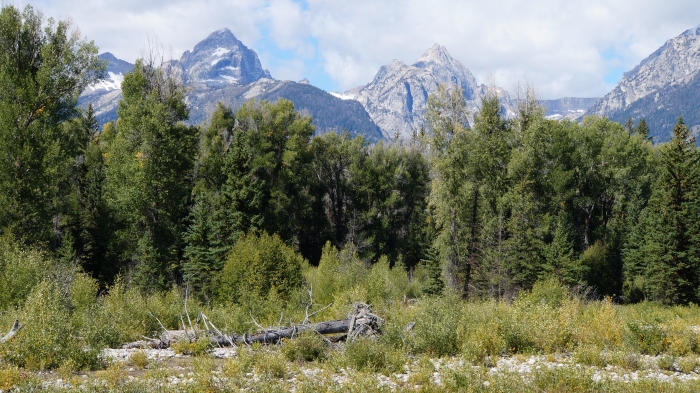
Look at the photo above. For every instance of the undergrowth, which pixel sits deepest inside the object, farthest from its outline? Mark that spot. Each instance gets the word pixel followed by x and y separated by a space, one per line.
pixel 69 320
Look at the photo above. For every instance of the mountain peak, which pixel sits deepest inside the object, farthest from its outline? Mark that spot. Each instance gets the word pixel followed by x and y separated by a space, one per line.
pixel 221 59
pixel 695 31
pixel 436 54
pixel 225 32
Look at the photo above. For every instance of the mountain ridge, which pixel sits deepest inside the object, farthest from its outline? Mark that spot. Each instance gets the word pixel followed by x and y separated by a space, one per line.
pixel 670 72
pixel 221 68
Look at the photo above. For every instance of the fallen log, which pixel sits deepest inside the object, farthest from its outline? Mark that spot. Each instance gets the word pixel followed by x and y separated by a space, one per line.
pixel 360 323
pixel 16 327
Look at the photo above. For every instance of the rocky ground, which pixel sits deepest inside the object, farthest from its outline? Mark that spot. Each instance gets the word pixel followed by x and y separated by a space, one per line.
pixel 177 370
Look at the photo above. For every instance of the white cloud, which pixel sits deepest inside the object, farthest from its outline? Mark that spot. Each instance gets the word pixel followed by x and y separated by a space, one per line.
pixel 557 45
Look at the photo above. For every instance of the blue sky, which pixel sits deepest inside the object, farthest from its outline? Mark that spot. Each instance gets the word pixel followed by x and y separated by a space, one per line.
pixel 564 48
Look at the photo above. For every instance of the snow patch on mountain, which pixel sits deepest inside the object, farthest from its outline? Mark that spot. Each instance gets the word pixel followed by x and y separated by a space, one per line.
pixel 342 96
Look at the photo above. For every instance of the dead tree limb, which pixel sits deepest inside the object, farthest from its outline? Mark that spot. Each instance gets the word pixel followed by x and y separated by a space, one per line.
pixel 16 327
pixel 360 323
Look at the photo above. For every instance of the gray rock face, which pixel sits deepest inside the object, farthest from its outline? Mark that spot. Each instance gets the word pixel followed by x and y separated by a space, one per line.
pixel 105 95
pixel 672 67
pixel 221 68
pixel 221 59
pixel 397 97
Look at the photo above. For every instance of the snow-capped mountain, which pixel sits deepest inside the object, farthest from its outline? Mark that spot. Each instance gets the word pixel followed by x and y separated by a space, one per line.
pixel 221 59
pixel 221 68
pixel 662 87
pixel 105 95
pixel 397 97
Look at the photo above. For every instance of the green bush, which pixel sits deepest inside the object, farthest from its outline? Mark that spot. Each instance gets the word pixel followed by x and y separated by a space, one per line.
pixel 307 347
pixel 365 354
pixel 20 271
pixel 384 284
pixel 437 323
pixel 256 265
pixel 646 339
pixel 549 291
pixel 196 347
pixel 47 340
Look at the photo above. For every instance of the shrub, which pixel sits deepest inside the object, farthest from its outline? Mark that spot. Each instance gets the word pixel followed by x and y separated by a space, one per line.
pixel 600 325
pixel 255 265
pixel 589 355
pixel 384 284
pixel 139 359
pixel 237 368
pixel 10 377
pixel 83 292
pixel 20 271
pixel 197 347
pixel 270 365
pixel 687 364
pixel 680 340
pixel 365 354
pixel 549 291
pixel 646 339
pixel 665 362
pixel 118 317
pixel 325 279
pixel 481 330
pixel 307 347
pixel 204 367
pixel 47 340
pixel 437 324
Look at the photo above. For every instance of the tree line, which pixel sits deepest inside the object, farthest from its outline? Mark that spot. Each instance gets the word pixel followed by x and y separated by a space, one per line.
pixel 486 209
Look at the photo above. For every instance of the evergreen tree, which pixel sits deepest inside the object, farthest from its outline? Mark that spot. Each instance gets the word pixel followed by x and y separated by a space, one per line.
pixel 643 129
pixel 149 174
pixel 671 260
pixel 251 176
pixel 91 228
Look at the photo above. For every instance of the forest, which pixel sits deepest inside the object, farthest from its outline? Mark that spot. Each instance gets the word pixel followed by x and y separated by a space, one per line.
pixel 251 215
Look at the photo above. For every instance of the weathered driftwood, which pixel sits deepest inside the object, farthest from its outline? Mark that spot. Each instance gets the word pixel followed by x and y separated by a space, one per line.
pixel 16 327
pixel 360 323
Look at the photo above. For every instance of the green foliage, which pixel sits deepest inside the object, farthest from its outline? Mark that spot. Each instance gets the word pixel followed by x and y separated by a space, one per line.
pixel 257 266
pixel 250 177
pixel 148 174
pixel 436 326
pixel 435 283
pixel 647 339
pixel 365 354
pixel 195 347
pixel 20 271
pixel 47 341
pixel 669 257
pixel 307 347
pixel 44 66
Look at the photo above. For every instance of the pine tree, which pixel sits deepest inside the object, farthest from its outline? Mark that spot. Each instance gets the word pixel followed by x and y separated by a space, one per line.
pixel 149 174
pixel 669 257
pixel 643 129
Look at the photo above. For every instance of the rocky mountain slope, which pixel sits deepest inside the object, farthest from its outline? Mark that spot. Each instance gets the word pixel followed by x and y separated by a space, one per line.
pixel 397 97
pixel 222 68
pixel 661 88
pixel 106 94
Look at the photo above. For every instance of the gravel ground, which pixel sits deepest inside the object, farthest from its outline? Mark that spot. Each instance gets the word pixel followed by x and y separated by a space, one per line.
pixel 524 365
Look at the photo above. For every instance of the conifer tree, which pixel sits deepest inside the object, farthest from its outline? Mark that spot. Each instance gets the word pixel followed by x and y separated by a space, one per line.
pixel 672 262
pixel 149 174
pixel 643 129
